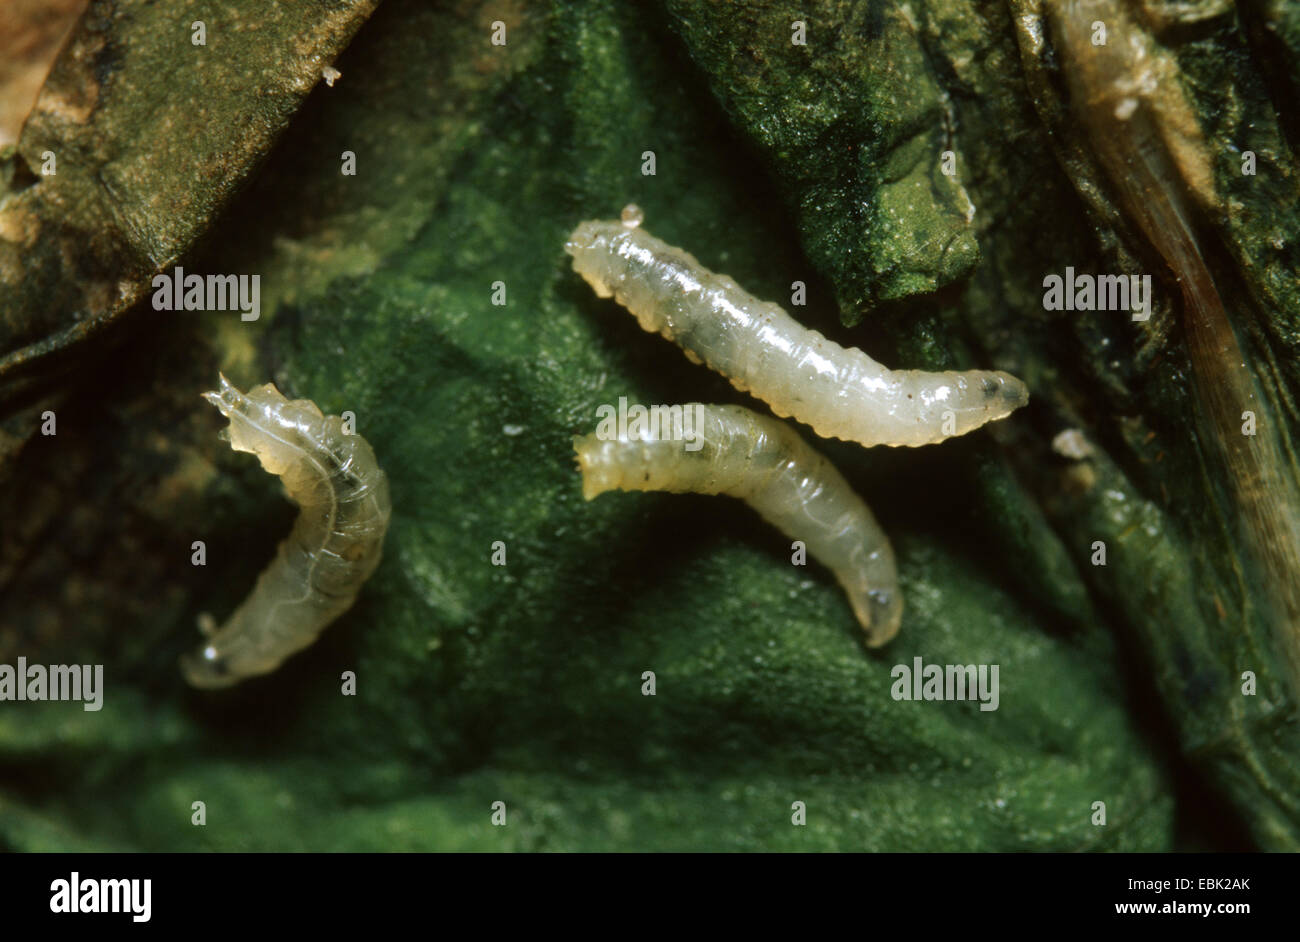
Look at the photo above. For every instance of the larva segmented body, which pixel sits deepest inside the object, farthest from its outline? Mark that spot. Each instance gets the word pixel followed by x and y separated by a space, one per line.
pixel 764 462
pixel 333 548
pixel 762 350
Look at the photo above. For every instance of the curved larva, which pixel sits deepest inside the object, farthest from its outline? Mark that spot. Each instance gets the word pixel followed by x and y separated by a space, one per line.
pixel 334 545
pixel 764 462
pixel 764 351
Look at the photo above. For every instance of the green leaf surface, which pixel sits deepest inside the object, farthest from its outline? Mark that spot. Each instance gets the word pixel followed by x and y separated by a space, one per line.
pixel 522 683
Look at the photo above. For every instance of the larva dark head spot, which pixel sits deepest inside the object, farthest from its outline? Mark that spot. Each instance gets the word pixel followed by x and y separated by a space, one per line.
pixel 1010 392
pixel 1014 392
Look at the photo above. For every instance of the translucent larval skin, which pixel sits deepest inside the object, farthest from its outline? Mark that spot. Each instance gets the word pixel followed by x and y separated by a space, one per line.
pixel 765 463
pixel 333 548
pixel 762 350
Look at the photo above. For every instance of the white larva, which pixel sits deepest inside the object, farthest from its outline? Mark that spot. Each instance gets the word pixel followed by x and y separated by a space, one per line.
pixel 334 545
pixel 762 350
pixel 763 461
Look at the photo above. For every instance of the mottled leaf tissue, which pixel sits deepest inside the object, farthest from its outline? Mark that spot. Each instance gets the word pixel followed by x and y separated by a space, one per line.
pixel 1111 570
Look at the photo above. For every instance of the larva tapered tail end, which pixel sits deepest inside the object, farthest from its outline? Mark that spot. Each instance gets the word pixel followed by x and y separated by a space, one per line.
pixel 227 408
pixel 227 398
pixel 588 244
pixel 580 458
pixel 582 239
pixel 880 613
pixel 598 461
pixel 238 408
pixel 207 670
